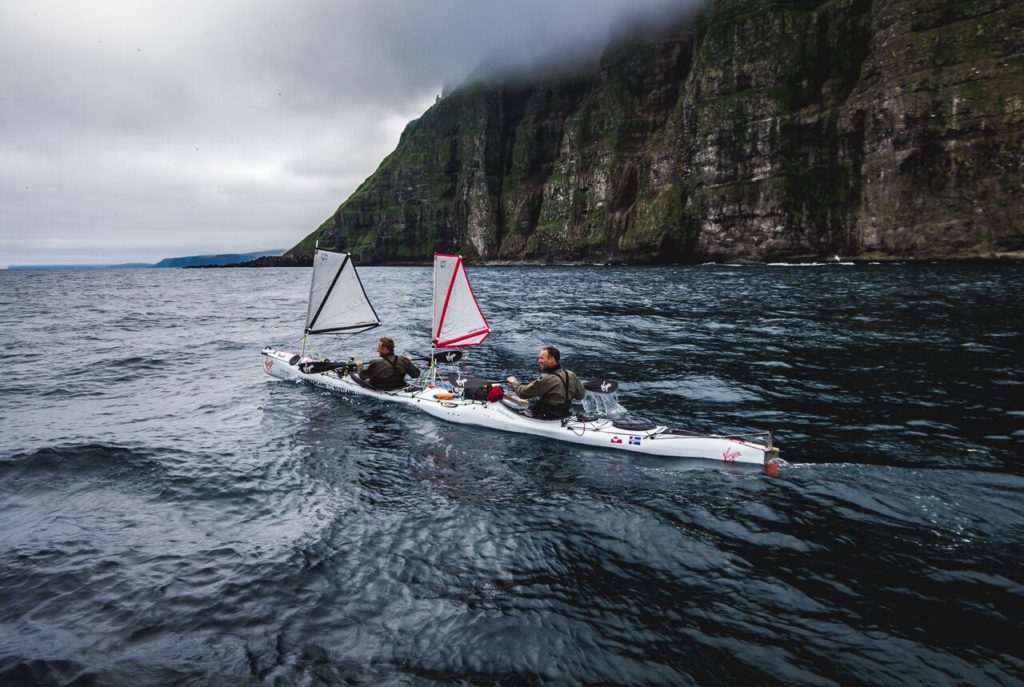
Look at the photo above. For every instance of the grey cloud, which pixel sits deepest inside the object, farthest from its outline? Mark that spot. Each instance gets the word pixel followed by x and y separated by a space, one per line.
pixel 136 131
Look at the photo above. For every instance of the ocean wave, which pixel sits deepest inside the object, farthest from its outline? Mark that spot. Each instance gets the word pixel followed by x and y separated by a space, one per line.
pixel 79 460
pixel 173 515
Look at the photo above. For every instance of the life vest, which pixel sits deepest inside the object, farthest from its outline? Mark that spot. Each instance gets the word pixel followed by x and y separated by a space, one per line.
pixel 388 382
pixel 545 410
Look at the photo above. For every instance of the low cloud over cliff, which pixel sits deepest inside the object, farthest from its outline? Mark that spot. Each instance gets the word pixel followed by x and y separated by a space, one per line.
pixel 134 131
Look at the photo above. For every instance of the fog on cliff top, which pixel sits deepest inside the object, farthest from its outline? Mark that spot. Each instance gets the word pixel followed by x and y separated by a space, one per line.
pixel 135 131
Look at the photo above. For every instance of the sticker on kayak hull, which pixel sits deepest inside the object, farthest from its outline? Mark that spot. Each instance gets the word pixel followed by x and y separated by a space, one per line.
pixel 730 455
pixel 268 364
pixel 616 440
pixel 634 441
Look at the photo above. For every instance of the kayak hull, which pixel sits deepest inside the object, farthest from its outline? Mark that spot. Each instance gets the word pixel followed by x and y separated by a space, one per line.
pixel 598 433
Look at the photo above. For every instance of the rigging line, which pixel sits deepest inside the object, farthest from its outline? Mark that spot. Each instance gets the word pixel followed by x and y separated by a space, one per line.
pixel 372 309
pixel 476 303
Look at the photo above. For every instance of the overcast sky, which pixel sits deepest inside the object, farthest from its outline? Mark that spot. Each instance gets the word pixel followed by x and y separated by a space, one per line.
pixel 140 129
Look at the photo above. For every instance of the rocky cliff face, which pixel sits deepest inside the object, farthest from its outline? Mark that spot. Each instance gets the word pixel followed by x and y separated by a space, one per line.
pixel 756 130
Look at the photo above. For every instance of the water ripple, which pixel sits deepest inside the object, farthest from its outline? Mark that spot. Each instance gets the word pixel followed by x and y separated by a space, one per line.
pixel 171 515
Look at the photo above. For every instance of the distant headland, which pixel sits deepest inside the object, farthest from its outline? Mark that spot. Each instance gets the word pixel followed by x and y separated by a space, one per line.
pixel 219 260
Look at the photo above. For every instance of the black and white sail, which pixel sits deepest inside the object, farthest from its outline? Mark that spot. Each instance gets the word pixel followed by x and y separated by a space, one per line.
pixel 337 299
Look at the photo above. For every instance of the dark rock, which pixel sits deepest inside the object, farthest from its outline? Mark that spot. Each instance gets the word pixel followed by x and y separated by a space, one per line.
pixel 274 261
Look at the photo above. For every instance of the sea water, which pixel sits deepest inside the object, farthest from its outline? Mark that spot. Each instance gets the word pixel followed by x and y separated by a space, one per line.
pixel 169 514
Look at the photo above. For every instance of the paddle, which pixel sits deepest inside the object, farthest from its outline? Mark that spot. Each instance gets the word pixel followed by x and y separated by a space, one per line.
pixel 601 386
pixel 318 366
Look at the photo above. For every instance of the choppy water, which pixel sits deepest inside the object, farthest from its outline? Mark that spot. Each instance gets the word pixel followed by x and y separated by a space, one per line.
pixel 171 515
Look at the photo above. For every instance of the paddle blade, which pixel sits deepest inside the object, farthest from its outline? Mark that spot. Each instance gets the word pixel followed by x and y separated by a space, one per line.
pixel 446 357
pixel 440 357
pixel 318 366
pixel 461 381
pixel 601 386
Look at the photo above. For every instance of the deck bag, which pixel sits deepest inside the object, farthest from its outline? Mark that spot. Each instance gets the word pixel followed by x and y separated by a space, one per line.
pixel 478 389
pixel 495 394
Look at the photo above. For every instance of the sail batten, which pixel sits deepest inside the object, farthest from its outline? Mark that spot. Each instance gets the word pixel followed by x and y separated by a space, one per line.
pixel 458 320
pixel 337 299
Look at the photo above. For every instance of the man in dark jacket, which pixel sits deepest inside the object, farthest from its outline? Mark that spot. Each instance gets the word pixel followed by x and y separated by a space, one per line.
pixel 555 387
pixel 388 371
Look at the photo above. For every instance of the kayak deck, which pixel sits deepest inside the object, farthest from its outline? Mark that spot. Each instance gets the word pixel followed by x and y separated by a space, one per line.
pixel 442 403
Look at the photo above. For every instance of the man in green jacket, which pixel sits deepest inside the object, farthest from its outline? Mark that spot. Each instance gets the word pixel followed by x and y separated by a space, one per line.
pixel 556 387
pixel 388 371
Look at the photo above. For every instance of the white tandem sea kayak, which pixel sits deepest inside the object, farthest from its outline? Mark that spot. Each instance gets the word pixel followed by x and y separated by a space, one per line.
pixel 447 403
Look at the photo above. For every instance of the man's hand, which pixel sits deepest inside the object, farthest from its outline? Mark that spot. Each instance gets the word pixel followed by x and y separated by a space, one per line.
pixel 511 379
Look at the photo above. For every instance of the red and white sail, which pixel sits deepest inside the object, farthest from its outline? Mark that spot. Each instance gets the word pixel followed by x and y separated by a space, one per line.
pixel 458 320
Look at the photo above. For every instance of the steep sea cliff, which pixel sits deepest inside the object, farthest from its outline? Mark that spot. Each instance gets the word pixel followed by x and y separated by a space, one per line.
pixel 751 130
